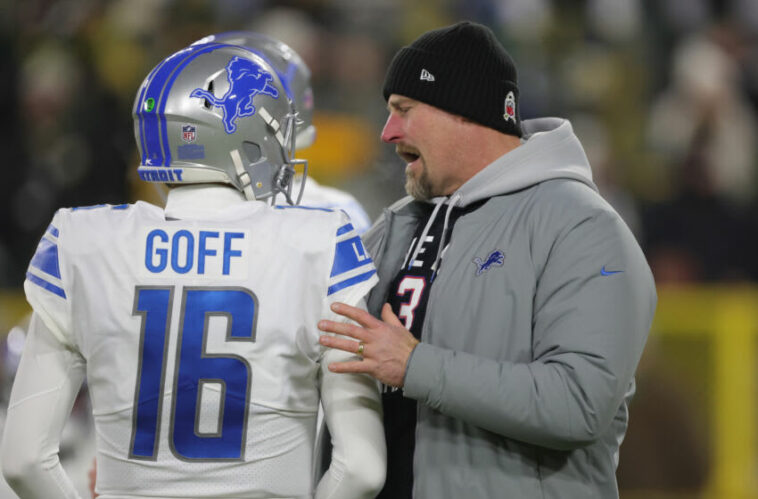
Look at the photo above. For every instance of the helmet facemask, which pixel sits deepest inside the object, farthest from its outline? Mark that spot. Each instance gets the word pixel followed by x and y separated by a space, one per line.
pixel 255 175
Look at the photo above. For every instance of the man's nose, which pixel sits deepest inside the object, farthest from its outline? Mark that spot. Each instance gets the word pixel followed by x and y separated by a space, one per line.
pixel 392 129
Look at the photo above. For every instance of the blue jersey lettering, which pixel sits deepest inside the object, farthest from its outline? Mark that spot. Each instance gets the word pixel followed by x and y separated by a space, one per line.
pixel 228 251
pixel 203 251
pixel 188 253
pixel 195 252
pixel 151 251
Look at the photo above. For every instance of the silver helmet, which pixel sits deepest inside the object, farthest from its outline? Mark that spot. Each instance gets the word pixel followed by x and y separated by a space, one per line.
pixel 216 112
pixel 291 69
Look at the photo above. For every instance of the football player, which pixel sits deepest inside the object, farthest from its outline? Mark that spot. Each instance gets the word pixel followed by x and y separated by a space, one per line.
pixel 195 324
pixel 296 79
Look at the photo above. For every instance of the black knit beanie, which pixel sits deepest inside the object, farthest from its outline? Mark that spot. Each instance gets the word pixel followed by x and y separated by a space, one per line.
pixel 461 69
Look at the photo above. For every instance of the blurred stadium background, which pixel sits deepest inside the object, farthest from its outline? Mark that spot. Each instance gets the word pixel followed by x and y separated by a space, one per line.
pixel 663 94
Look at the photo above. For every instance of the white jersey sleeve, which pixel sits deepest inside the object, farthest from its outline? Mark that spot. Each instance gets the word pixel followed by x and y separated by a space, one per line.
pixel 352 404
pixel 352 274
pixel 352 410
pixel 46 384
pixel 200 339
pixel 44 285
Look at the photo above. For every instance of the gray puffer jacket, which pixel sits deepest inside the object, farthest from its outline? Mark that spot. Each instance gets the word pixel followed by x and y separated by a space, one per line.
pixel 535 325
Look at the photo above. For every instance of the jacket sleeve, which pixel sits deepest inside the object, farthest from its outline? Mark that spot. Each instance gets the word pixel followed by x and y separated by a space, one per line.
pixel 592 309
pixel 46 384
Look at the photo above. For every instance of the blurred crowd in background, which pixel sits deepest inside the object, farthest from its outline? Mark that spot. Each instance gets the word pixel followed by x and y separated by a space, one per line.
pixel 662 93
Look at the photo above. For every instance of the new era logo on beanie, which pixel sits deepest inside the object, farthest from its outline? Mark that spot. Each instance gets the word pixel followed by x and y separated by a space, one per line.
pixel 426 75
pixel 473 75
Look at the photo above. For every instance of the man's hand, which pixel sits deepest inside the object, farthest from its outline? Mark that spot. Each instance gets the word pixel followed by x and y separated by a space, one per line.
pixel 386 344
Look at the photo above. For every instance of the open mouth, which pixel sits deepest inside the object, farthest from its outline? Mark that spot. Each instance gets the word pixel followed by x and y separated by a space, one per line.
pixel 408 155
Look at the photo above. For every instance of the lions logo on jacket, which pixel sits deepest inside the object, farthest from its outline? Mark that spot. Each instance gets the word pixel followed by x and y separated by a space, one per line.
pixel 495 259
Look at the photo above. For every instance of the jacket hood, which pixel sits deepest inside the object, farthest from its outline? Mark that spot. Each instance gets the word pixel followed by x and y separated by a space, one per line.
pixel 549 150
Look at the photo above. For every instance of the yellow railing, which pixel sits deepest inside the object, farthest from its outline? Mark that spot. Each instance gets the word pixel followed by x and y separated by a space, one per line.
pixel 728 316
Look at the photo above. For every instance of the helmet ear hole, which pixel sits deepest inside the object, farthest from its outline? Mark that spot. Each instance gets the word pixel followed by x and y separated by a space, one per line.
pixel 252 151
pixel 206 102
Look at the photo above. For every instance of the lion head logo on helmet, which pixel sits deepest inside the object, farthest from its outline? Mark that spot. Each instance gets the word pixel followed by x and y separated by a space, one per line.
pixel 246 80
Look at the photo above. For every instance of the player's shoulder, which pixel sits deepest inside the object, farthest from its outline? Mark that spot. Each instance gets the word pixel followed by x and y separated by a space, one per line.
pixel 89 213
pixel 101 222
pixel 312 226
pixel 312 214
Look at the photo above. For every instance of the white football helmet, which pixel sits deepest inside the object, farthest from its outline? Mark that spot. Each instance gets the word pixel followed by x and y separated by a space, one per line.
pixel 216 112
pixel 291 69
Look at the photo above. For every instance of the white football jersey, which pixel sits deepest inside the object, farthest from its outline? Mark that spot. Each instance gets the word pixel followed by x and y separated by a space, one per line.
pixel 200 339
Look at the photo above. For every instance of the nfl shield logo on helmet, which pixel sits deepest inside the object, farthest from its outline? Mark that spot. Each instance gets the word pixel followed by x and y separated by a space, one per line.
pixel 188 133
pixel 510 107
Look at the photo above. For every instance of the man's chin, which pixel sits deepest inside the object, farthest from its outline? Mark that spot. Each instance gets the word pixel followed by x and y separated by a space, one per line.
pixel 416 190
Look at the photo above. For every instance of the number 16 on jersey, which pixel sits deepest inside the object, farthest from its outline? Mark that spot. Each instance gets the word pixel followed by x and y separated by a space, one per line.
pixel 194 367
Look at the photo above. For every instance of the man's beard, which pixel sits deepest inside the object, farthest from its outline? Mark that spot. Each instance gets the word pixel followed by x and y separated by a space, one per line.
pixel 419 188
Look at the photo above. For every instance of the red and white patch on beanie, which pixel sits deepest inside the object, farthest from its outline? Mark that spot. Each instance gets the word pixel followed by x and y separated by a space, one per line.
pixel 510 107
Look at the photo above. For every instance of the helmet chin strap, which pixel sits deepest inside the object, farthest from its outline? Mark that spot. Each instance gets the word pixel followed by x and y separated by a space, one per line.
pixel 243 176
